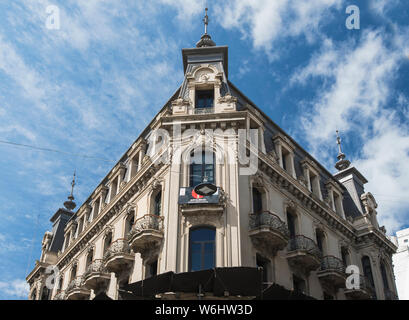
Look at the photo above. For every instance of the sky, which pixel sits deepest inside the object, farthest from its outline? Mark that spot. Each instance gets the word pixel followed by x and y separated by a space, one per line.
pixel 91 86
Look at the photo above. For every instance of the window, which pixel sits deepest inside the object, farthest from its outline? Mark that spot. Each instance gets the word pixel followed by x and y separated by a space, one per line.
pixel 90 257
pixel 263 263
pixel 291 224
pixel 202 165
pixel 60 283
pixel 366 265
pixel 45 294
pixel 384 277
pixel 107 241
pixel 405 241
pixel 202 249
pixel 74 272
pixel 345 256
pixel 320 240
pixel 299 284
pixel 152 269
pixel 257 201
pixel 204 98
pixel 157 203
pixel 130 221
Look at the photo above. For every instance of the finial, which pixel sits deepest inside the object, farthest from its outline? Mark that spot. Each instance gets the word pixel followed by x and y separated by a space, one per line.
pixel 205 40
pixel 206 20
pixel 70 204
pixel 342 162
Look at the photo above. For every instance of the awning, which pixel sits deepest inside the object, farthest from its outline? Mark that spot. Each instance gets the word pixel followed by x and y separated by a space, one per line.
pixel 243 281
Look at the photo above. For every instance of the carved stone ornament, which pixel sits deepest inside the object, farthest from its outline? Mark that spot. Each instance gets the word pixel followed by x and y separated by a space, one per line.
pixel 109 229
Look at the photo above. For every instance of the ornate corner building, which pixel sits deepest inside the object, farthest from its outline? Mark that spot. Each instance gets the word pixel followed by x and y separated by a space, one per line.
pixel 287 214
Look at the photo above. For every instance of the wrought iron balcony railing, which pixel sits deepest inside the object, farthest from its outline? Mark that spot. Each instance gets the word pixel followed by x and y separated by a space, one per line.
pixel 269 220
pixel 366 284
pixel 119 246
pixel 331 263
pixel 304 243
pixel 76 283
pixel 147 222
pixel 97 266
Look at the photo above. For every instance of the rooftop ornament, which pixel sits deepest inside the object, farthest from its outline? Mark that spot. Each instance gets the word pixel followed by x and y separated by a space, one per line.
pixel 70 204
pixel 342 163
pixel 205 40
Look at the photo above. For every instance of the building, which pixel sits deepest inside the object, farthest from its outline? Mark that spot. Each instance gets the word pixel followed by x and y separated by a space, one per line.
pixel 274 205
pixel 401 263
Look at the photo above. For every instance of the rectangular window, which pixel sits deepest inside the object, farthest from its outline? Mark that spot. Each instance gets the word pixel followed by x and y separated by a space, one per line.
pixel 204 99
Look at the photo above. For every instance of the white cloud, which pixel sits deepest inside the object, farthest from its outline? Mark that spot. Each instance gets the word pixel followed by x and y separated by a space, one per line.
pixel 357 87
pixel 266 21
pixel 15 289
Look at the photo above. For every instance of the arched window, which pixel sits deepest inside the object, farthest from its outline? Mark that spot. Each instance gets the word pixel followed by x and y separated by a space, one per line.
pixel 202 248
pixel 366 265
pixel 107 241
pixel 384 277
pixel 257 200
pixel 34 294
pixel 291 221
pixel 202 166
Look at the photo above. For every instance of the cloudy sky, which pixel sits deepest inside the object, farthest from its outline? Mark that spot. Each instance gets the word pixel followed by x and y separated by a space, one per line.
pixel 91 86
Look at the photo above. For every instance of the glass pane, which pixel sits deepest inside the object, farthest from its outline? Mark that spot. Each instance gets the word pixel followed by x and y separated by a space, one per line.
pixel 195 255
pixel 208 256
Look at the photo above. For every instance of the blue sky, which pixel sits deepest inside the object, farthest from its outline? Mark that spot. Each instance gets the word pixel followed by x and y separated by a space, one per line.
pixel 93 85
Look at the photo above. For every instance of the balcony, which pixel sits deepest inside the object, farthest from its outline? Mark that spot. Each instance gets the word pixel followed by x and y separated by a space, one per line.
pixel 303 254
pixel 390 295
pixel 365 290
pixel 60 295
pixel 96 275
pixel 147 233
pixel 118 256
pixel 269 231
pixel 76 290
pixel 332 272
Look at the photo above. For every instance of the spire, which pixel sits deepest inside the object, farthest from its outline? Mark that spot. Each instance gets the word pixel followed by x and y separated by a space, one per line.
pixel 70 204
pixel 342 162
pixel 205 40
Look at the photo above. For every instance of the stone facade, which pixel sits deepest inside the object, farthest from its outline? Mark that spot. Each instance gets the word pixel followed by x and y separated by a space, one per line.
pixel 287 213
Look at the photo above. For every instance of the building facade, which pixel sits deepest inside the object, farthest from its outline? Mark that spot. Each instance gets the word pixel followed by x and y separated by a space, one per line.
pixel 275 206
pixel 401 263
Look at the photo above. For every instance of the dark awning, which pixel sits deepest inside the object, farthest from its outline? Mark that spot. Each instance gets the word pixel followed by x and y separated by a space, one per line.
pixel 277 292
pixel 102 296
pixel 244 281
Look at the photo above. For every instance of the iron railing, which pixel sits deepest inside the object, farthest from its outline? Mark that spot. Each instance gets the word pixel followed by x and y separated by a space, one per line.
pixel 75 284
pixel 147 222
pixel 306 244
pixel 96 266
pixel 331 263
pixel 269 220
pixel 119 246
pixel 366 284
